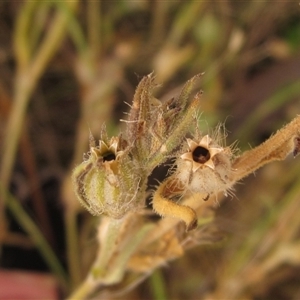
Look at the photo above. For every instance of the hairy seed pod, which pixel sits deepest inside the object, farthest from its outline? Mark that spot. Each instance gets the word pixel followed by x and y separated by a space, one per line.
pixel 206 167
pixel 106 181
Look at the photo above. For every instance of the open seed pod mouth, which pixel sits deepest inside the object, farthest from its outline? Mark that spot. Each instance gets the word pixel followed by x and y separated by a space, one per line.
pixel 107 151
pixel 109 156
pixel 201 155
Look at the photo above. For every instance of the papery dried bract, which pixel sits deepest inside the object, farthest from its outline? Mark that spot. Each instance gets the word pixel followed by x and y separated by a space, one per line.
pixel 156 128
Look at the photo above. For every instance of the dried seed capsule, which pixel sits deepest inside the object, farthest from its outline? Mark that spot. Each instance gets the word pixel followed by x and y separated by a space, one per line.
pixel 206 167
pixel 106 182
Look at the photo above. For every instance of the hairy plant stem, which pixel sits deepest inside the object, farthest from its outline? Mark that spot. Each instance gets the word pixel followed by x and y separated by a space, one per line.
pixel 277 147
pixel 166 224
pixel 118 240
pixel 109 244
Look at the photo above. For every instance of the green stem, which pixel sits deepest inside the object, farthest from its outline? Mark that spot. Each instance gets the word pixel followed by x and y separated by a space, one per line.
pixel 185 20
pixel 94 27
pixel 120 262
pixel 51 42
pixel 108 247
pixel 116 247
pixel 21 45
pixel 83 291
pixel 73 26
pixel 26 80
pixel 73 255
pixel 14 126
pixel 158 285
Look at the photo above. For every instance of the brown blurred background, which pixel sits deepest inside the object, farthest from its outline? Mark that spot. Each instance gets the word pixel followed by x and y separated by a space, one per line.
pixel 69 66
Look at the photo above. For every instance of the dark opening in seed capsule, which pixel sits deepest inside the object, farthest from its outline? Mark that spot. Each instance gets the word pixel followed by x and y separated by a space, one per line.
pixel 109 156
pixel 201 155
